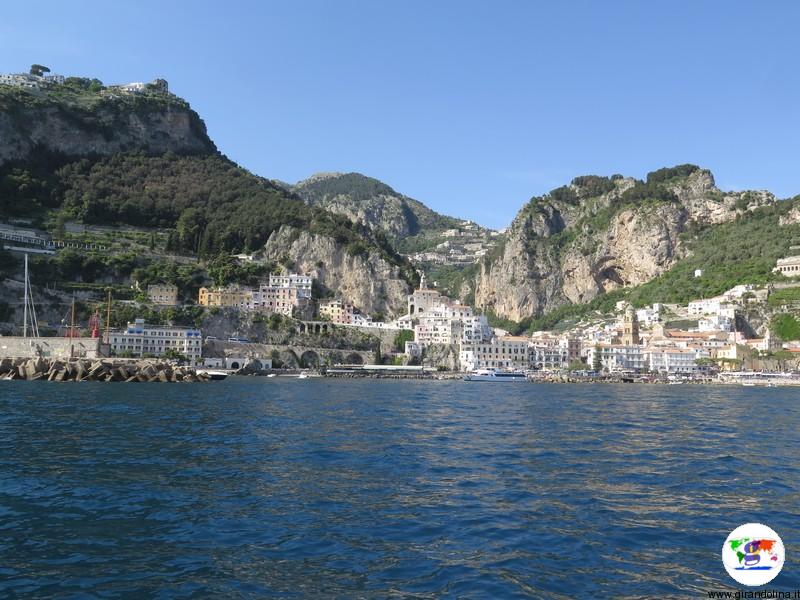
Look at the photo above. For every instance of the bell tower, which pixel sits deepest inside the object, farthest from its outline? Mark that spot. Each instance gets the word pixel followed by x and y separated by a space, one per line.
pixel 630 327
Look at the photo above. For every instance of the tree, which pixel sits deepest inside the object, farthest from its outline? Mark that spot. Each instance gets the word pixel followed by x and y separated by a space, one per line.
pixel 172 354
pixel 403 336
pixel 577 365
pixel 61 226
pixel 39 70
pixel 597 363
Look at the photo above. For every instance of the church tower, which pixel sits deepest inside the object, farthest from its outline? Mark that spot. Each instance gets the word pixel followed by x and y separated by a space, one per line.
pixel 630 327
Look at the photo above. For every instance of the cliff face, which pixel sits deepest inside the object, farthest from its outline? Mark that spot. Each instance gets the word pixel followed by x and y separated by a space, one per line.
pixel 367 280
pixel 600 234
pixel 99 124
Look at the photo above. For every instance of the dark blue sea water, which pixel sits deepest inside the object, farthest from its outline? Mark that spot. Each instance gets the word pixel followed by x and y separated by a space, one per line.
pixel 375 489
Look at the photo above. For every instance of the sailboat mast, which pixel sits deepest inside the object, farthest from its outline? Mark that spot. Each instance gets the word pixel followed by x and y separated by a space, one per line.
pixel 72 328
pixel 25 302
pixel 108 318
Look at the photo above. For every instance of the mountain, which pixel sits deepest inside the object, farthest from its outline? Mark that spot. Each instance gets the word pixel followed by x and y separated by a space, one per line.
pixel 372 202
pixel 105 156
pixel 601 234
pixel 75 119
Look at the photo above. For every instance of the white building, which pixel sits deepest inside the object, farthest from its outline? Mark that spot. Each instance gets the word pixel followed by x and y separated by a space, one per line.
pixel 618 357
pixel 475 329
pixel 719 322
pixel 675 360
pixel 508 352
pixel 736 292
pixel 706 306
pixel 649 315
pixel 139 339
pixel 436 328
pixel 302 283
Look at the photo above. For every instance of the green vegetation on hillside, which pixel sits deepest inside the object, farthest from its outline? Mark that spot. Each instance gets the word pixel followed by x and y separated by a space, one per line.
pixel 361 190
pixel 741 251
pixel 784 297
pixel 786 327
pixel 211 205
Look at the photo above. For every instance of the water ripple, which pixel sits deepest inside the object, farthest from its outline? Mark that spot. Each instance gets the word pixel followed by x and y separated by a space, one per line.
pixel 364 489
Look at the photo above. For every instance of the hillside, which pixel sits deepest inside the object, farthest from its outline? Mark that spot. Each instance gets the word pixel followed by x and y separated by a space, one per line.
pixel 372 202
pixel 601 234
pixel 83 152
pixel 81 117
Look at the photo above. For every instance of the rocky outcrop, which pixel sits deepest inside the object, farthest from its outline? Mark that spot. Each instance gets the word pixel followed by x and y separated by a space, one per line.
pixel 365 279
pixel 366 200
pixel 598 235
pixel 32 124
pixel 706 204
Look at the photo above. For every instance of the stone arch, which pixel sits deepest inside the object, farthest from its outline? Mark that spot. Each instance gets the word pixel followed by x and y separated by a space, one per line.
pixel 235 364
pixel 411 309
pixel 309 359
pixel 317 328
pixel 354 358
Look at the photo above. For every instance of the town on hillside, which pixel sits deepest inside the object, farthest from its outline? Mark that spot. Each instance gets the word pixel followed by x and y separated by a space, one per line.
pixel 695 341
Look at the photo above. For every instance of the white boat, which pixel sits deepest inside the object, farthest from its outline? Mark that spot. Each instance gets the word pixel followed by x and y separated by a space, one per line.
pixel 213 375
pixel 495 375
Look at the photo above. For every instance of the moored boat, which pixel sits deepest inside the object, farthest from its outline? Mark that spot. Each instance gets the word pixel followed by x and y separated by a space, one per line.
pixel 214 375
pixel 495 376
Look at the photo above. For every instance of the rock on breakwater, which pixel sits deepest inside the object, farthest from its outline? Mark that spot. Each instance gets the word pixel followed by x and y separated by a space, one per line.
pixel 32 369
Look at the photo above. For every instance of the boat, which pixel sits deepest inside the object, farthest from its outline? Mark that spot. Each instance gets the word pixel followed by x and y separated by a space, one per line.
pixel 213 375
pixel 495 376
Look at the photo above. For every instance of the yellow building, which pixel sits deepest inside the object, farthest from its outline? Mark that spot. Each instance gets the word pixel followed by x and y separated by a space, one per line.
pixel 337 311
pixel 225 297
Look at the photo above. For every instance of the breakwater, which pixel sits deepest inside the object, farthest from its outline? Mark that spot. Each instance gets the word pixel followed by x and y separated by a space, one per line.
pixel 32 369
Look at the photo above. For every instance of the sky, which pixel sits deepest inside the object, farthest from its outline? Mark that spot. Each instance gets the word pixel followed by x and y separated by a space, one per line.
pixel 469 107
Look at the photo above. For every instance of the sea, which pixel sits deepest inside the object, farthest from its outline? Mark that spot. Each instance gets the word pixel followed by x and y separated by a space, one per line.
pixel 318 488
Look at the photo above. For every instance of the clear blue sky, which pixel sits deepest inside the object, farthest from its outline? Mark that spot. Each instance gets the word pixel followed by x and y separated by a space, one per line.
pixel 470 107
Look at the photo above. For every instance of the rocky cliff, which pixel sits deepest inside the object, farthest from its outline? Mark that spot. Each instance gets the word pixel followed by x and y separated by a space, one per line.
pixel 598 234
pixel 371 202
pixel 73 122
pixel 364 278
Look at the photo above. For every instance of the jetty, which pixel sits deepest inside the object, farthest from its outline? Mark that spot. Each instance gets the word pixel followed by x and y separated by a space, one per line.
pixel 107 370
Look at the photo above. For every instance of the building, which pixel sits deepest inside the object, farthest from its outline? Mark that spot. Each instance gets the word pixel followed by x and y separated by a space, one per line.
pixel 163 294
pixel 789 266
pixel 630 327
pixel 423 299
pixel 338 311
pixel 507 352
pixel 302 283
pixel 719 322
pixel 617 357
pixel 273 299
pixel 676 360
pixel 475 329
pixel 649 315
pixel 139 339
pixel 706 306
pixel 225 297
